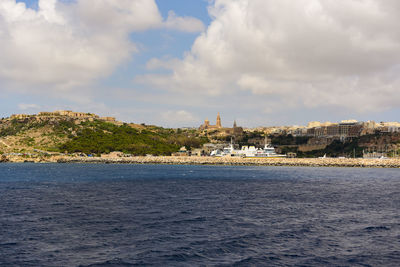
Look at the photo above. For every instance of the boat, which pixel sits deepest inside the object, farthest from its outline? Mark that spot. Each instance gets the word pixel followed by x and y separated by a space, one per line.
pixel 247 152
pixel 226 151
pixel 267 152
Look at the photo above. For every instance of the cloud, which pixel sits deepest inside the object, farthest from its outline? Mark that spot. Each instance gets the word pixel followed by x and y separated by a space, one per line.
pixel 23 106
pixel 185 24
pixel 123 16
pixel 312 54
pixel 166 63
pixel 47 9
pixel 63 46
pixel 50 47
pixel 178 117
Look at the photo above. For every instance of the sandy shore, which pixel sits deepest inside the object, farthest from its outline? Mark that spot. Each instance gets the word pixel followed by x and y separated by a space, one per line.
pixel 314 162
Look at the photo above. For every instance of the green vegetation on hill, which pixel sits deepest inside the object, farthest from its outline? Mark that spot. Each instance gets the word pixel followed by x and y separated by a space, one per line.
pixel 58 134
pixel 15 126
pixel 100 137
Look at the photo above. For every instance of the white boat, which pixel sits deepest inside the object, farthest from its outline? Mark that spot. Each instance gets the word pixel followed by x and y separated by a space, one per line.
pixel 247 152
pixel 267 152
pixel 225 152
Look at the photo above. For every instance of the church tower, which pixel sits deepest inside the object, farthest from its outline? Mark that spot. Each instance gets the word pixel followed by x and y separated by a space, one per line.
pixel 219 125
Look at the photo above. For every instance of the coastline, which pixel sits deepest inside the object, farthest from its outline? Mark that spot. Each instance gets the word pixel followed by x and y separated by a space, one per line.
pixel 172 160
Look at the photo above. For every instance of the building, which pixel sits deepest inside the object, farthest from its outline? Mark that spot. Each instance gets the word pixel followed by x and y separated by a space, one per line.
pixel 235 130
pixel 344 127
pixel 315 124
pixel 108 119
pixel 67 113
pixel 183 152
pixel 19 116
pixel 207 126
pixel 311 131
pixel 355 130
pixel 218 130
pixel 332 130
pixel 320 131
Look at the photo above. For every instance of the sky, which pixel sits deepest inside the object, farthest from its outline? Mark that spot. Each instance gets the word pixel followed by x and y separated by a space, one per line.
pixel 175 63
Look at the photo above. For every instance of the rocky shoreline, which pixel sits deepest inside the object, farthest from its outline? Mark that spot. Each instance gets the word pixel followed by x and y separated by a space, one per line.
pixel 306 162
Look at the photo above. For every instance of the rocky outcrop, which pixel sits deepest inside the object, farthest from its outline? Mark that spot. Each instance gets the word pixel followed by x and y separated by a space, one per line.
pixel 3 159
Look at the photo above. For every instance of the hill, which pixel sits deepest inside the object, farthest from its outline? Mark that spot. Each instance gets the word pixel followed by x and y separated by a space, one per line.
pixel 89 134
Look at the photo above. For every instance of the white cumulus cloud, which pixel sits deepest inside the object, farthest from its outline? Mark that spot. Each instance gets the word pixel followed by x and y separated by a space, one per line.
pixel 24 106
pixel 178 117
pixel 185 24
pixel 303 53
pixel 63 45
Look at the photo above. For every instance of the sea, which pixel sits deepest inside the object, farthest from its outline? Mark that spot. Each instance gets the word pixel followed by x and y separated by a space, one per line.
pixel 181 215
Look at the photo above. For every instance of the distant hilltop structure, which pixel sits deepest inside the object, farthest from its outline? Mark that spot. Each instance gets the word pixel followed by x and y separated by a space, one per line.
pixel 68 113
pixel 207 127
pixel 318 124
pixel 64 113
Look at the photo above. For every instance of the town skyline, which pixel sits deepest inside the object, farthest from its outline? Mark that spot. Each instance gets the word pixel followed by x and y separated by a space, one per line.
pixel 183 61
pixel 386 126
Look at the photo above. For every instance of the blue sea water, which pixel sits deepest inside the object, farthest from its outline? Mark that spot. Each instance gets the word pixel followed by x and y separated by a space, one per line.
pixel 163 215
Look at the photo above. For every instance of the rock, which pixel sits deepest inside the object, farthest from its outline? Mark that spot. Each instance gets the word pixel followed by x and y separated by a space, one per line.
pixel 3 159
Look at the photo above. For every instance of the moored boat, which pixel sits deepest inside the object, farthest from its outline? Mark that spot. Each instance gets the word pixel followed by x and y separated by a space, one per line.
pixel 247 152
pixel 267 152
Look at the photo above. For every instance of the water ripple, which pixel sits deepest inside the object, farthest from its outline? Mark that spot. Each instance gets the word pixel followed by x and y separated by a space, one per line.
pixel 128 215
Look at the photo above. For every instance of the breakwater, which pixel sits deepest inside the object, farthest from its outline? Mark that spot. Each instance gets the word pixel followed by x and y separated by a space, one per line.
pixel 306 162
pixel 310 162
